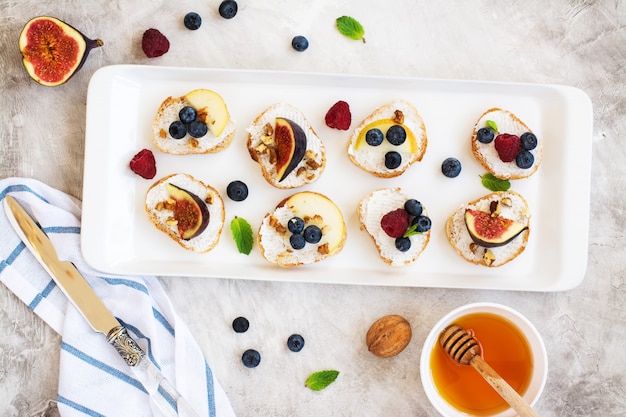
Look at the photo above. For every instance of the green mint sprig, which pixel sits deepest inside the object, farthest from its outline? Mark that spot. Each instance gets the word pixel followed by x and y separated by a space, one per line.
pixel 242 234
pixel 493 183
pixel 492 125
pixel 351 28
pixel 317 381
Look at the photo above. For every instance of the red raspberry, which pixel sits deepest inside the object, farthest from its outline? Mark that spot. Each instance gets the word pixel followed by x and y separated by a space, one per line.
pixel 507 146
pixel 144 164
pixel 339 116
pixel 395 223
pixel 154 43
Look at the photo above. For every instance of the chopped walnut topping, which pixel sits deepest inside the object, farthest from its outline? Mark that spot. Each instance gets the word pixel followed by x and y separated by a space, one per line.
pixel 473 247
pixel 171 221
pixel 507 201
pixel 193 143
pixel 272 154
pixel 162 133
pixel 260 148
pixel 277 226
pixel 209 199
pixel 268 130
pixel 398 117
pixel 494 208
pixel 300 171
pixel 159 206
pixel 202 114
pixel 169 204
pixel 489 257
pixel 323 249
pixel 312 163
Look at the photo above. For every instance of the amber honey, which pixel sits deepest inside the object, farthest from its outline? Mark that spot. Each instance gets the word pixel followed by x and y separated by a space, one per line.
pixel 504 347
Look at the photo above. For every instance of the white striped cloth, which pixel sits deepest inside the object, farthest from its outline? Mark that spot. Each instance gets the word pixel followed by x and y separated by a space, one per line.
pixel 93 379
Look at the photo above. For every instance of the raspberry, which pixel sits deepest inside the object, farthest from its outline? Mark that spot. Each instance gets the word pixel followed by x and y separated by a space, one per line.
pixel 144 164
pixel 154 43
pixel 507 146
pixel 395 223
pixel 339 116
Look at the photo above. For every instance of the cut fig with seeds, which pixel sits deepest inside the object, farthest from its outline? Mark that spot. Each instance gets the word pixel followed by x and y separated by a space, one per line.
pixel 190 212
pixel 489 230
pixel 53 51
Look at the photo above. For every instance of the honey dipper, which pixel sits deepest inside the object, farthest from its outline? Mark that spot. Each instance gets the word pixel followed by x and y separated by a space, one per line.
pixel 465 350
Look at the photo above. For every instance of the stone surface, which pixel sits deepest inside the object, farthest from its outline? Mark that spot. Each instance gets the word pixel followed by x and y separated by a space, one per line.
pixel 578 43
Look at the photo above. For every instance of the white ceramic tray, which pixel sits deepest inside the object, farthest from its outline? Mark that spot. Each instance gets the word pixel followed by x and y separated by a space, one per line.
pixel 118 238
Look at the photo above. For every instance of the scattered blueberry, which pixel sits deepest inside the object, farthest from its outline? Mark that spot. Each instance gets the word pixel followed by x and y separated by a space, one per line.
pixel 396 135
pixel 177 129
pixel 197 129
pixel 413 207
pixel 528 141
pixel 312 234
pixel 237 190
pixel 374 137
pixel 297 241
pixel 192 21
pixel 392 160
pixel 228 9
pixel 295 343
pixel 403 244
pixel 525 159
pixel 485 135
pixel 187 114
pixel 451 167
pixel 295 225
pixel 251 358
pixel 241 324
pixel 423 223
pixel 300 43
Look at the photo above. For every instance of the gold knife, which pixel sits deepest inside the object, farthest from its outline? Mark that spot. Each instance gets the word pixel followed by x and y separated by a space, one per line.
pixel 80 293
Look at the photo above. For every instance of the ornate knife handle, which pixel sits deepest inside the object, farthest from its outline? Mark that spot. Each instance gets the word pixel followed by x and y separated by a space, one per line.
pixel 125 345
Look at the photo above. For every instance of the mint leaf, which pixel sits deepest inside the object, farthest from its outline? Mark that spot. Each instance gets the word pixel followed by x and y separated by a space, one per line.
pixel 492 125
pixel 411 231
pixel 494 183
pixel 317 381
pixel 242 234
pixel 351 28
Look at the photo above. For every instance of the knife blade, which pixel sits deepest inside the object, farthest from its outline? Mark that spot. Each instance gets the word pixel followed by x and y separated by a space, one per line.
pixel 91 307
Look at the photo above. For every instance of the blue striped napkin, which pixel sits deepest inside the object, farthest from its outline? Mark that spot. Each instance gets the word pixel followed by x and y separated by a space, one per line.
pixel 93 379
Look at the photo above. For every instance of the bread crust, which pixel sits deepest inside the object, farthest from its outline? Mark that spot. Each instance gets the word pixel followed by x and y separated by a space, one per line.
pixel 412 119
pixel 370 213
pixel 167 113
pixel 460 239
pixel 260 146
pixel 210 237
pixel 488 157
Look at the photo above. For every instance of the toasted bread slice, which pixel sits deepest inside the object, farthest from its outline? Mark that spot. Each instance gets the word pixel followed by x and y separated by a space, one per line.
pixel 209 143
pixel 372 158
pixel 306 157
pixel 313 208
pixel 507 204
pixel 160 207
pixel 371 210
pixel 486 153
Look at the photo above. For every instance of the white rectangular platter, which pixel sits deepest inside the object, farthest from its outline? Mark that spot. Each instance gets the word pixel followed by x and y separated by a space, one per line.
pixel 122 101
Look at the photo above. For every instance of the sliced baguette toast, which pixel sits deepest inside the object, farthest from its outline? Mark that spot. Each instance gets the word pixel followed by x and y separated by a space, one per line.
pixel 371 210
pixel 486 153
pixel 372 158
pixel 273 237
pixel 309 157
pixel 168 112
pixel 160 206
pixel 507 204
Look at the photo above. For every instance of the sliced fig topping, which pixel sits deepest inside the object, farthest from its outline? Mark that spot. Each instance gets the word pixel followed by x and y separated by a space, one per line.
pixel 190 212
pixel 491 230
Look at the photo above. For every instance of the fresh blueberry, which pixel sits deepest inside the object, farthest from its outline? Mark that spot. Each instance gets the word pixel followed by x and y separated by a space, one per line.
pixel 241 324
pixel 297 241
pixel 187 114
pixel 528 141
pixel 396 135
pixel 374 137
pixel 403 244
pixel 485 135
pixel 300 43
pixel 197 129
pixel 525 159
pixel 413 207
pixel 251 358
pixel 393 160
pixel 237 190
pixel 192 21
pixel 295 343
pixel 312 234
pixel 177 130
pixel 228 9
pixel 423 223
pixel 451 167
pixel 295 225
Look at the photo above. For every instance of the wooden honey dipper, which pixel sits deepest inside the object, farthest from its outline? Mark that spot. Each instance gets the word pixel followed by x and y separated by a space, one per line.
pixel 465 350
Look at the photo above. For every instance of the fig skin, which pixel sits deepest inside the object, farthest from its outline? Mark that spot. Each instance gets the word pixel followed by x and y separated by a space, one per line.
pixel 180 194
pixel 290 140
pixel 38 65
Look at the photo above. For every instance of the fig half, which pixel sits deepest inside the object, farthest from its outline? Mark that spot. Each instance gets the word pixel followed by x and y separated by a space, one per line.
pixel 53 51
pixel 190 212
pixel 290 146
pixel 489 230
